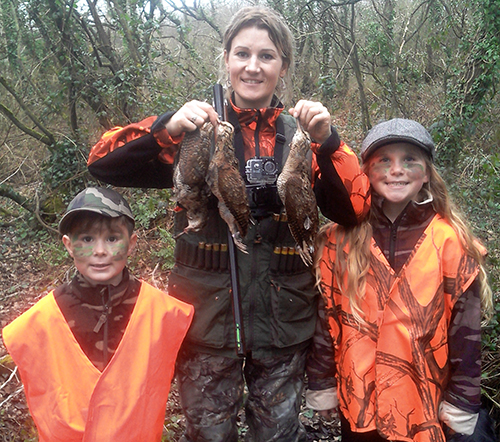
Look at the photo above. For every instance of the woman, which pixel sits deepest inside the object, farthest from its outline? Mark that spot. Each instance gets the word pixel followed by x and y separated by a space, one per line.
pixel 278 304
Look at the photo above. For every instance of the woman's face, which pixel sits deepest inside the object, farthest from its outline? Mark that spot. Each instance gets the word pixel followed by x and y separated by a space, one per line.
pixel 254 65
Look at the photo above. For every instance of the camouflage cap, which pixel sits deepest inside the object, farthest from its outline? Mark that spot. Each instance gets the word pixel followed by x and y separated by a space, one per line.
pixel 397 129
pixel 100 200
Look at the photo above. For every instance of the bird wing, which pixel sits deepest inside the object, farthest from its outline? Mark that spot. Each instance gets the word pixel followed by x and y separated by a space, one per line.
pixel 233 192
pixel 302 214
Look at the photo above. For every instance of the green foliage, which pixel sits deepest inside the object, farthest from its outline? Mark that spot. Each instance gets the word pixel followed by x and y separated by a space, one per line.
pixel 8 20
pixel 172 428
pixel 52 252
pixel 28 229
pixel 377 47
pixel 66 163
pixel 149 206
pixel 152 210
pixel 491 333
pixel 165 255
pixel 327 86
pixel 471 83
pixel 48 249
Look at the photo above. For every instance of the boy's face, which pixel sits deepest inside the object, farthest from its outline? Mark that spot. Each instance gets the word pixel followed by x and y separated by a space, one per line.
pixel 397 172
pixel 100 252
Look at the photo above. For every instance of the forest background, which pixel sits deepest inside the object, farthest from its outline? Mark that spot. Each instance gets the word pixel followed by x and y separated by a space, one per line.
pixel 71 69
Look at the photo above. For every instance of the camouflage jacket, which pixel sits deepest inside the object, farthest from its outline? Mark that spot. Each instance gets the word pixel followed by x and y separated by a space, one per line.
pixel 98 316
pixel 397 242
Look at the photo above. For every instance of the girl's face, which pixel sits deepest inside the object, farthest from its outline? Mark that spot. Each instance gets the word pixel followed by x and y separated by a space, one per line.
pixel 397 173
pixel 255 66
pixel 100 253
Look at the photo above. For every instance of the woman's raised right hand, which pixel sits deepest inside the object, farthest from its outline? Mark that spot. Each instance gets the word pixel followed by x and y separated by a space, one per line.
pixel 190 116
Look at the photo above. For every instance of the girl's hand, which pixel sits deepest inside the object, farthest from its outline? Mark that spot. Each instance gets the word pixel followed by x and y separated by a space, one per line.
pixel 314 118
pixel 190 116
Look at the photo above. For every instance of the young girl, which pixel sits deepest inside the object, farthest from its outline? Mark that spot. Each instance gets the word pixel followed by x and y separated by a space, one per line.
pixel 278 304
pixel 403 295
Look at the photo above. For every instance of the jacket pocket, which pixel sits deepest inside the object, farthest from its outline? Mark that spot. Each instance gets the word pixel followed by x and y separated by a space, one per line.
pixel 294 303
pixel 209 293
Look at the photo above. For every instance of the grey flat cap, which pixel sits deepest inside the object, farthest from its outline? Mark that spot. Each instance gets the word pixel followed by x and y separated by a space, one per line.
pixel 397 129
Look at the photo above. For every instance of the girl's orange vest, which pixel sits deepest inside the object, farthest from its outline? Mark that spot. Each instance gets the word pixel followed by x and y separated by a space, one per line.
pixel 71 400
pixel 392 369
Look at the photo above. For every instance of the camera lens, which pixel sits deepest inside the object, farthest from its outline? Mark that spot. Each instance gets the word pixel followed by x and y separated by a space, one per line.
pixel 269 167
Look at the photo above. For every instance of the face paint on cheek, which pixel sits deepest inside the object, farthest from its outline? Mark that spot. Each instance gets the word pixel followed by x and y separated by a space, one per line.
pixel 119 251
pixel 379 168
pixel 82 251
pixel 416 170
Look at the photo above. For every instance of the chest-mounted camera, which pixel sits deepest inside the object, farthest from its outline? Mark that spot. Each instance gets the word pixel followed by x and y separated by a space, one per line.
pixel 262 170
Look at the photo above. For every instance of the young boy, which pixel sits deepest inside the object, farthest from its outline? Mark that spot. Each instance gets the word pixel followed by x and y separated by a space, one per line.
pixel 96 355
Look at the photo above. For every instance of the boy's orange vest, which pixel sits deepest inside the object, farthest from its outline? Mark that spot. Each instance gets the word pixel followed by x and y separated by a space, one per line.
pixel 392 370
pixel 71 400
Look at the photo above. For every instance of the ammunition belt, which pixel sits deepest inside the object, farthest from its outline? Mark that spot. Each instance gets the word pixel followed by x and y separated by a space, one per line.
pixel 202 256
pixel 286 260
pixel 213 256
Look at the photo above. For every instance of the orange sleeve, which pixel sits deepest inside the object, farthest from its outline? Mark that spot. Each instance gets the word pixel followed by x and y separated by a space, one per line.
pixel 119 136
pixel 356 183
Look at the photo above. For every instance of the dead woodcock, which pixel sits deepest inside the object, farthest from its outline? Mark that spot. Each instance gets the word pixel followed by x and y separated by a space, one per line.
pixel 227 184
pixel 191 189
pixel 295 191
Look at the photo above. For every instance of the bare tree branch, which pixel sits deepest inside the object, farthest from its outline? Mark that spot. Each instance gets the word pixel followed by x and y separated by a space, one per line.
pixel 48 138
pixel 36 135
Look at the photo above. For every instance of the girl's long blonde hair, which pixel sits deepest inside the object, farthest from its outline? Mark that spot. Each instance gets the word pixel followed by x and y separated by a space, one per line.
pixel 357 262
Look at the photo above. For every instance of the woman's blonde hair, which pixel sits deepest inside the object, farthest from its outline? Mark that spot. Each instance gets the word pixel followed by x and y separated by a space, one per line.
pixel 262 17
pixel 357 262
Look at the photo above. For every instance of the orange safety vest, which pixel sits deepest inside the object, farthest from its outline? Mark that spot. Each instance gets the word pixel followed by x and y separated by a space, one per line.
pixel 71 400
pixel 392 370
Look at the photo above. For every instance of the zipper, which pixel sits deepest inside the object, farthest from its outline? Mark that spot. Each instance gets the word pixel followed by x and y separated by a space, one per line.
pixel 392 245
pixel 103 321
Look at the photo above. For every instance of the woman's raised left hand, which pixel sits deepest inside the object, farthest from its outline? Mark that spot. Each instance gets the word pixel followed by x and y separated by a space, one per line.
pixel 314 118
